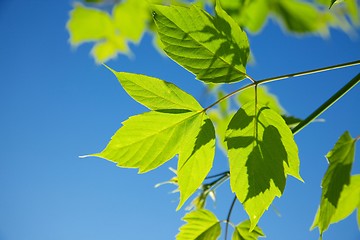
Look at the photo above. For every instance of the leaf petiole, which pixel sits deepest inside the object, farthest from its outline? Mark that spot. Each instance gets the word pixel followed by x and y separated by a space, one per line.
pixel 282 77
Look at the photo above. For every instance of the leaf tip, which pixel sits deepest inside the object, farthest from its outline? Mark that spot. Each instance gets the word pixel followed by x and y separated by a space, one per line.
pixel 109 68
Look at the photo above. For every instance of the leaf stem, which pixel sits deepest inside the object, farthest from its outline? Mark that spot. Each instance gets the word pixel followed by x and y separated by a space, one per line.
pixel 318 70
pixel 327 104
pixel 229 95
pixel 216 183
pixel 282 77
pixel 228 217
pixel 218 175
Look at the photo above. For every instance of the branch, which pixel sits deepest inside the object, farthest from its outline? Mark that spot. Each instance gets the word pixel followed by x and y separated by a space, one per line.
pixel 318 70
pixel 327 104
pixel 290 75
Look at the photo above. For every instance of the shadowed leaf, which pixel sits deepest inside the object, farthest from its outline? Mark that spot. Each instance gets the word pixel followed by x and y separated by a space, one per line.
pixel 262 152
pixel 337 176
pixel 215 49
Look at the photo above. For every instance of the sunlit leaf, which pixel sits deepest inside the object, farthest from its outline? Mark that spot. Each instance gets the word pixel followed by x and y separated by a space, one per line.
pixel 88 24
pixel 349 201
pixel 262 152
pixel 156 94
pixel 243 232
pixel 264 97
pixel 196 157
pixel 176 126
pixel 215 49
pixel 130 18
pixel 337 176
pixel 111 34
pixel 201 225
pixel 251 15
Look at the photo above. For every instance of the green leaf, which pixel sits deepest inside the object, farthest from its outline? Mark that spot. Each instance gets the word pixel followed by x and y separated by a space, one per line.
pixel 156 94
pixel 111 34
pixel 221 123
pixel 215 49
pixel 88 24
pixel 337 176
pixel 201 225
pixel 303 17
pixel 262 152
pixel 243 232
pixel 348 202
pixel 196 158
pixel 130 18
pixel 249 14
pixel 178 125
pixel 264 97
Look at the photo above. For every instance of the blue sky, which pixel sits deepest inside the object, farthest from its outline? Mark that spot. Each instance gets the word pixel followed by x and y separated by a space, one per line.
pixel 57 104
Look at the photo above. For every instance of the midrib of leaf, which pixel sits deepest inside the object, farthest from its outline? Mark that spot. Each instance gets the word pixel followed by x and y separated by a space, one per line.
pixel 209 228
pixel 160 97
pixel 199 43
pixel 163 130
pixel 201 122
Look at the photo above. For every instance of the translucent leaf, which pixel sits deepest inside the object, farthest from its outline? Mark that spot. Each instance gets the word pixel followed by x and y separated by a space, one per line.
pixel 148 140
pixel 348 202
pixel 131 18
pixel 262 152
pixel 196 158
pixel 243 232
pixel 108 49
pixel 337 176
pixel 221 123
pixel 215 49
pixel 111 34
pixel 264 97
pixel 178 125
pixel 249 14
pixel 156 94
pixel 88 24
pixel 201 225
pixel 302 17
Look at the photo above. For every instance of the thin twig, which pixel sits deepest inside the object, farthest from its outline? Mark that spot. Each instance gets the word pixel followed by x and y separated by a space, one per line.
pixel 228 217
pixel 272 79
pixel 218 175
pixel 318 70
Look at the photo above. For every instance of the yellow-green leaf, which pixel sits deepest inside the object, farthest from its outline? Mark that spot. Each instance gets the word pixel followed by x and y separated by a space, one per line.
pixel 262 152
pixel 201 225
pixel 337 176
pixel 242 232
pixel 156 94
pixel 264 97
pixel 88 24
pixel 176 126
